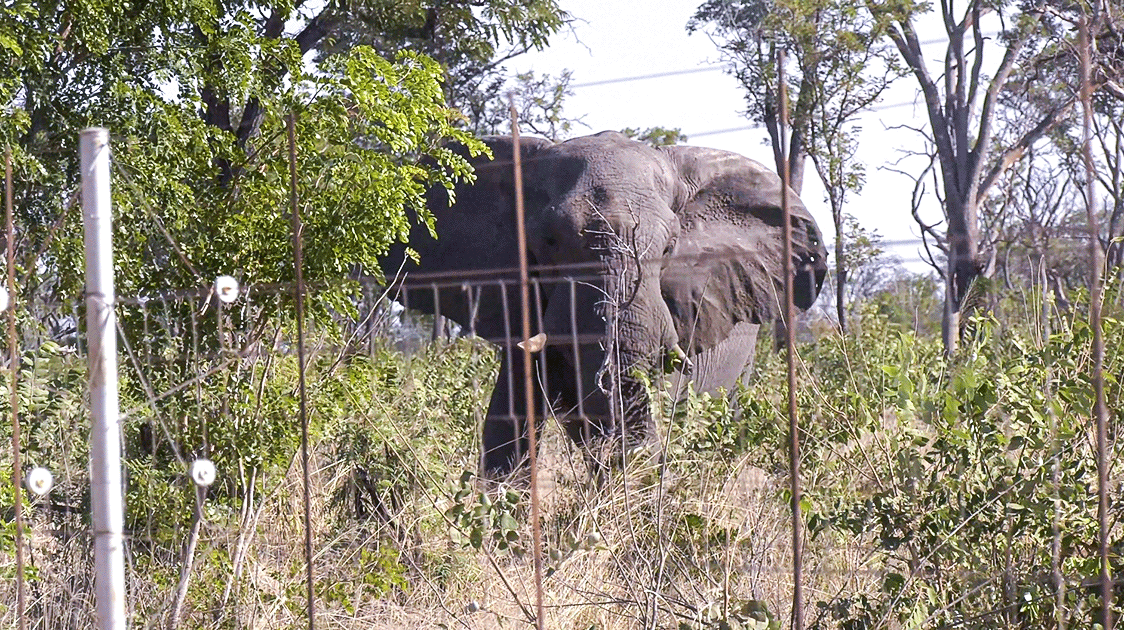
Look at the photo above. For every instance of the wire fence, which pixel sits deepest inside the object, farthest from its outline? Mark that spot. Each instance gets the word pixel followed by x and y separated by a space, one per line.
pixel 396 433
pixel 372 419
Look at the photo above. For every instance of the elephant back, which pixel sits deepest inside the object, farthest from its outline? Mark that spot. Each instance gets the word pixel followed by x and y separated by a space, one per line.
pixel 474 233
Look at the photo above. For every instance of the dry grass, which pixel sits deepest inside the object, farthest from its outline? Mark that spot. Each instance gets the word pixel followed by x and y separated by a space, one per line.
pixel 636 550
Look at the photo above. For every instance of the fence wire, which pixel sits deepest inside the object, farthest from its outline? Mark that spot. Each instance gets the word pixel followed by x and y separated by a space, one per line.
pixel 396 440
pixel 406 378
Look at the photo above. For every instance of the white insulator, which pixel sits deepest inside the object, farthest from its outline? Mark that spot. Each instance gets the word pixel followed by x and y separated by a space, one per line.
pixel 226 287
pixel 203 472
pixel 40 481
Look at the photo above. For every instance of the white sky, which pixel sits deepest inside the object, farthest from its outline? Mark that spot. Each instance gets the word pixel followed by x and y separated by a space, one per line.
pixel 612 39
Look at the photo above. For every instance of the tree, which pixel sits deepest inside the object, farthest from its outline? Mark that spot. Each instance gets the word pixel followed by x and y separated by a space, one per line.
pixel 851 78
pixel 749 34
pixel 539 103
pixel 472 39
pixel 1035 224
pixel 1108 135
pixel 869 268
pixel 838 70
pixel 656 136
pixel 196 100
pixel 973 145
pixel 866 263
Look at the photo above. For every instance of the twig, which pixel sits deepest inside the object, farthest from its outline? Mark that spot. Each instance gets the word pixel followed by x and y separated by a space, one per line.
pixel 188 559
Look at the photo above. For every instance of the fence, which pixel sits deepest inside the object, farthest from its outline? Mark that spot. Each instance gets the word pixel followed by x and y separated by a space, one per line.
pixel 939 495
pixel 398 399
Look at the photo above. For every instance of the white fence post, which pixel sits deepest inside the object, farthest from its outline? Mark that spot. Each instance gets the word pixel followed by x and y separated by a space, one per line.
pixel 105 429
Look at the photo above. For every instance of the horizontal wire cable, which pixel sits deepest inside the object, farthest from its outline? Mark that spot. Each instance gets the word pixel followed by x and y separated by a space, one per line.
pixel 587 271
pixel 708 67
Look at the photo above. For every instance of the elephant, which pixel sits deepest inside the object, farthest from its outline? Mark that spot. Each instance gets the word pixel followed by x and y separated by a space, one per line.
pixel 644 257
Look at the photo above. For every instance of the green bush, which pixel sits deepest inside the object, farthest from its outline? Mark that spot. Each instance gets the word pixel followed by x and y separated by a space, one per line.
pixel 972 480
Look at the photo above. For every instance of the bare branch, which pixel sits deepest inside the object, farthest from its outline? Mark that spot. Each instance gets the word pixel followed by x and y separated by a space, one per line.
pixel 910 48
pixel 1015 152
pixel 987 113
pixel 977 66
pixel 1113 88
pixel 957 106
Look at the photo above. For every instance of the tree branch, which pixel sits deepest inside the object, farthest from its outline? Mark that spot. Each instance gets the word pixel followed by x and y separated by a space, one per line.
pixel 977 65
pixel 959 110
pixel 1016 151
pixel 275 23
pixel 316 29
pixel 216 110
pixel 983 139
pixel 306 40
pixel 905 38
pixel 957 105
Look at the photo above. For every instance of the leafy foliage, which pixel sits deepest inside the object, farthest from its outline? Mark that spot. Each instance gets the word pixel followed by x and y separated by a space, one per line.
pixel 471 40
pixel 477 517
pixel 656 136
pixel 355 196
pixel 54 423
pixel 539 101
pixel 968 482
pixel 196 98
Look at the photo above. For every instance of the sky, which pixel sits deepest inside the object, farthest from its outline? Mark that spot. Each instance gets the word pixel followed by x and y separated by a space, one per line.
pixel 614 39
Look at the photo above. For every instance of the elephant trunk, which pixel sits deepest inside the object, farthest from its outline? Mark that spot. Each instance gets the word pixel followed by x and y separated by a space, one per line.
pixel 639 332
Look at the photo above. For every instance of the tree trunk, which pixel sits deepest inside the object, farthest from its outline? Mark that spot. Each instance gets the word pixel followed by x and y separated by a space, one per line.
pixel 797 156
pixel 963 264
pixel 840 269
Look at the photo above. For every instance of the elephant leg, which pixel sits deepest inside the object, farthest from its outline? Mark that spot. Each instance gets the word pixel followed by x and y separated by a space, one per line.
pixel 504 440
pixel 574 357
pixel 563 377
pixel 632 412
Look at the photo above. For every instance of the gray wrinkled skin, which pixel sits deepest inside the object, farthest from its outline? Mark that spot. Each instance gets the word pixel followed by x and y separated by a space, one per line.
pixel 684 258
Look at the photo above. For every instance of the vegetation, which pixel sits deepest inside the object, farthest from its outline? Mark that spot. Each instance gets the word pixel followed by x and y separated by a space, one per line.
pixel 840 68
pixel 942 489
pixel 656 136
pixel 196 98
pixel 939 491
pixel 981 122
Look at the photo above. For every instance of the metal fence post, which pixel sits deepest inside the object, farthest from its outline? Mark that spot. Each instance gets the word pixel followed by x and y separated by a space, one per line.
pixel 105 430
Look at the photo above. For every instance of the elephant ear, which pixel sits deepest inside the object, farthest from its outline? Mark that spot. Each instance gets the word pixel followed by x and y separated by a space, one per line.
pixel 725 272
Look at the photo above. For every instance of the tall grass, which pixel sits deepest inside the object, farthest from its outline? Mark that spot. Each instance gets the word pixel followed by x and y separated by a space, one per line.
pixel 939 492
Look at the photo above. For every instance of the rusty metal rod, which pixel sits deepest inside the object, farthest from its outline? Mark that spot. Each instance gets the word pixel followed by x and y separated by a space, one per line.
pixel 298 264
pixel 1096 290
pixel 528 381
pixel 790 345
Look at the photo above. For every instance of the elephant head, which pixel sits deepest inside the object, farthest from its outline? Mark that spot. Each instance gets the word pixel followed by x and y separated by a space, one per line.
pixel 685 252
pixel 687 243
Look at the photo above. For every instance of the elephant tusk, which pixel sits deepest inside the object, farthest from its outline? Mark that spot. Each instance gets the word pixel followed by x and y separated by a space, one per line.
pixel 534 344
